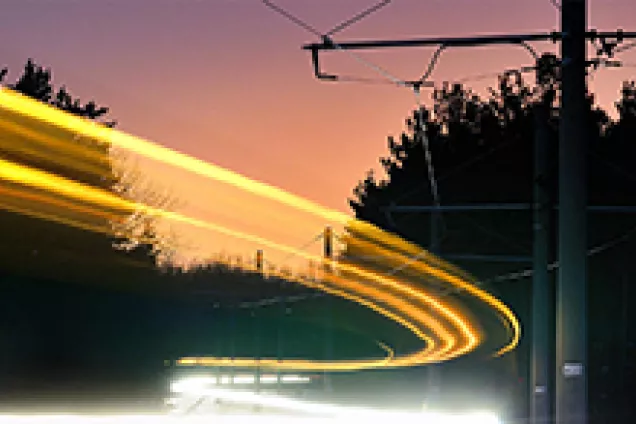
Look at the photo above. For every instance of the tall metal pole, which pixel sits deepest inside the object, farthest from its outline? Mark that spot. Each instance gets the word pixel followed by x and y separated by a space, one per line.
pixel 571 380
pixel 434 371
pixel 542 306
pixel 624 343
pixel 259 262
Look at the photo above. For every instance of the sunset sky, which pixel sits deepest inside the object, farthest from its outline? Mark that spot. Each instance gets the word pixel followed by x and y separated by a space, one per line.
pixel 227 82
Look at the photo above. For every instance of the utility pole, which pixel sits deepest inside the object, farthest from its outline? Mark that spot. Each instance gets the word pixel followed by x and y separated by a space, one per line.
pixel 328 257
pixel 328 247
pixel 624 342
pixel 542 306
pixel 433 370
pixel 259 262
pixel 571 339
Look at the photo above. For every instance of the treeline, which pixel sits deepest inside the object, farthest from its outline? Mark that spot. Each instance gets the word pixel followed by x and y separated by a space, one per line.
pixel 482 153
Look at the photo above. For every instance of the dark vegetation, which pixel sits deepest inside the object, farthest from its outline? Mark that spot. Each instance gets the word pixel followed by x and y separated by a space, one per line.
pixel 482 150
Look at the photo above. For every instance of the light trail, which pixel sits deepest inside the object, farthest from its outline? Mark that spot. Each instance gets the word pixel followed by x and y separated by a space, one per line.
pixel 32 204
pixel 446 333
pixel 50 148
pixel 27 107
pixel 20 174
pixel 447 276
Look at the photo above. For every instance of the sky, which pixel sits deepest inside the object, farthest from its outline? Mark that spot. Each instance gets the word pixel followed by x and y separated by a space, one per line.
pixel 227 82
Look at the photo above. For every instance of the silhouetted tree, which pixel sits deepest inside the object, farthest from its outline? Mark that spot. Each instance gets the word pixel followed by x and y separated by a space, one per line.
pixel 482 153
pixel 46 255
pixel 91 162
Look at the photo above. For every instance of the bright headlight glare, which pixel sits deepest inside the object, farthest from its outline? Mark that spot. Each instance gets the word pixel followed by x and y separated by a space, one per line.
pixel 192 384
pixel 483 418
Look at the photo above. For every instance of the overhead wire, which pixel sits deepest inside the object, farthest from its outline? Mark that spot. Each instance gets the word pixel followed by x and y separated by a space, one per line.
pixel 304 246
pixel 528 272
pixel 487 75
pixel 358 17
pixel 415 85
pixel 421 133
pixel 326 37
pixel 516 275
pixel 521 70
pixel 421 130
pixel 430 168
pixel 520 274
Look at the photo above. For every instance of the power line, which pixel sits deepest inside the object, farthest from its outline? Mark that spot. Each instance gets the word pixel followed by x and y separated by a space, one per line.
pixel 358 17
pixel 421 133
pixel 328 43
pixel 326 37
pixel 520 274
pixel 571 380
pixel 512 276
pixel 304 246
pixel 516 275
pixel 521 40
pixel 478 77
pixel 327 40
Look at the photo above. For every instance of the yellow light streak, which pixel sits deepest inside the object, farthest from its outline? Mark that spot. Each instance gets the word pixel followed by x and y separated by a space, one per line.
pixel 447 277
pixel 31 204
pixel 451 333
pixel 26 106
pixel 67 153
pixel 20 174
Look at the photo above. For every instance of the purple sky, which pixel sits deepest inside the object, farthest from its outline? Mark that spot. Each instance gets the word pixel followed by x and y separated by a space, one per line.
pixel 226 81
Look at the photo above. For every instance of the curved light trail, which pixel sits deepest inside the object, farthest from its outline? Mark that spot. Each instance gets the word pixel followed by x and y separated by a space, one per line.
pixel 444 330
pixel 417 319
